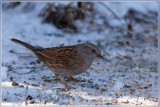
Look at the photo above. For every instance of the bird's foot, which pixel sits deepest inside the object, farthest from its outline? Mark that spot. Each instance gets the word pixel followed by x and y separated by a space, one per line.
pixel 68 87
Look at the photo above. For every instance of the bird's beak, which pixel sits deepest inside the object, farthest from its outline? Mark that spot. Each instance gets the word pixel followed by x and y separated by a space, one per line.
pixel 101 57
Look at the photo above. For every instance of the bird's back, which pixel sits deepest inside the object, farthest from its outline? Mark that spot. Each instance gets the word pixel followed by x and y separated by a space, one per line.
pixel 66 61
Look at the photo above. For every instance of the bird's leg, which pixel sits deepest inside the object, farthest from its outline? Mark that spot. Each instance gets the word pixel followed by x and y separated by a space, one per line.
pixel 73 79
pixel 64 82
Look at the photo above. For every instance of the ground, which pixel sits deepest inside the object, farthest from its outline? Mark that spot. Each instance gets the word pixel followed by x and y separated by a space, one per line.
pixel 128 77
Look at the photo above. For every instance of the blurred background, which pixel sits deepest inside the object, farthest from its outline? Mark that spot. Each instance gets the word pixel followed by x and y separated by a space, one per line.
pixel 125 32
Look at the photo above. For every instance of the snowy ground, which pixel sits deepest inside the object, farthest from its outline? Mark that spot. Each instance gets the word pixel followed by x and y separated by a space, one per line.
pixel 128 78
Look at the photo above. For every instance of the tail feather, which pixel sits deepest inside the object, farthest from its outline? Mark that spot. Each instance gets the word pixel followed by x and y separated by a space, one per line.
pixel 24 44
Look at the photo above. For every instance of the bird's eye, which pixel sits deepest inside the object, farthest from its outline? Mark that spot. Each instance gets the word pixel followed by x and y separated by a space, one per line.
pixel 93 50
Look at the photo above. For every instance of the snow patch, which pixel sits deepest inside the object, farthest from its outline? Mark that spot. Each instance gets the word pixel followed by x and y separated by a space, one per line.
pixel 4 73
pixel 118 85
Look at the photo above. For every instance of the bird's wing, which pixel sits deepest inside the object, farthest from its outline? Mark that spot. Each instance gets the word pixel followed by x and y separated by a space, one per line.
pixel 67 57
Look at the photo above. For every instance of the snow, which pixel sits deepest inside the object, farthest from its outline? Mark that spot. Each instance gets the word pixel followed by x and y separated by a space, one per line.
pixel 4 73
pixel 135 72
pixel 118 85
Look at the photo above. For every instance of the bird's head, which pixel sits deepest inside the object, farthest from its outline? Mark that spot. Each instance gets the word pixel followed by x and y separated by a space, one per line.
pixel 91 51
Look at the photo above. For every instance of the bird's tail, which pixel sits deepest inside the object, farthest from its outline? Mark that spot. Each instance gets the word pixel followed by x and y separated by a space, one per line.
pixel 24 44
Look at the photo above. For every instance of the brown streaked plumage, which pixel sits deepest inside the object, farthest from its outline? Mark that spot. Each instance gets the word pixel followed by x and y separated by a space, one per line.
pixel 66 61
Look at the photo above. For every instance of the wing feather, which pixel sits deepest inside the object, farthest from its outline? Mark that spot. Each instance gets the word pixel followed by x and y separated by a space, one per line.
pixel 67 57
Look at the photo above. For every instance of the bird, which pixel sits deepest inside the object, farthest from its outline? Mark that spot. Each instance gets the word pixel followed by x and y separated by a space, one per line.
pixel 66 61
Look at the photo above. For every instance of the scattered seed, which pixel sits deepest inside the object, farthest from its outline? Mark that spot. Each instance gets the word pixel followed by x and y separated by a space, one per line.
pixel 89 81
pixel 47 80
pixel 45 102
pixel 31 101
pixel 14 84
pixel 20 86
pixel 35 85
pixel 102 89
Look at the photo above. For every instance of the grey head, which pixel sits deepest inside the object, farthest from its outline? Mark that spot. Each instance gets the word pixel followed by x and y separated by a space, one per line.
pixel 90 51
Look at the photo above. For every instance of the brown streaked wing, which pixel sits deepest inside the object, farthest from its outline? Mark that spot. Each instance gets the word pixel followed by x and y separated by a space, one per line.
pixel 68 57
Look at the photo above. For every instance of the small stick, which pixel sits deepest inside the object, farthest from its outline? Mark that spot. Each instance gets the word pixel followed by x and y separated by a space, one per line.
pixel 116 16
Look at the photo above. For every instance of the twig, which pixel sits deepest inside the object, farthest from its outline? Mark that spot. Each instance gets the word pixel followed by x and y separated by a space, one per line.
pixel 116 16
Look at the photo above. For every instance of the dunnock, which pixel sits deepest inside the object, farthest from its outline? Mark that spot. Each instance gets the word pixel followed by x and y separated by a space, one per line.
pixel 66 61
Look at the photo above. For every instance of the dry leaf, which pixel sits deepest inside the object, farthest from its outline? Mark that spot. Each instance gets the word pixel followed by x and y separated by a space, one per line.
pixel 89 93
pixel 111 82
pixel 81 90
pixel 102 89
pixel 114 101
pixel 118 94
pixel 128 91
pixel 125 101
pixel 81 100
pixel 94 100
pixel 140 87
pixel 73 102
